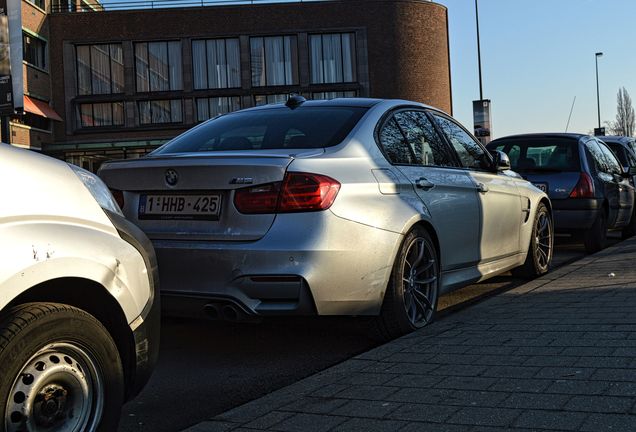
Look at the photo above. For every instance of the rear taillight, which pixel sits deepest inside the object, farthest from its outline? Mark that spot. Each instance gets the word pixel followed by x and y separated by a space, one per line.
pixel 584 188
pixel 298 192
pixel 119 197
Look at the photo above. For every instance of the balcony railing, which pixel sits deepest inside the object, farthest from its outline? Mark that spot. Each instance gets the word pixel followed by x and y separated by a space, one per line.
pixel 112 5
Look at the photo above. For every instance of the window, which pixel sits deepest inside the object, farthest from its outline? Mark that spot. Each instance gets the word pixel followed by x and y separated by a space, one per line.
pixel 334 94
pixel 34 50
pixel 541 153
pixel 425 144
pixel 270 99
pixel 274 61
pixel 470 153
pixel 276 128
pixel 332 58
pixel 101 114
pixel 208 108
pixel 612 163
pixel 216 63
pixel 598 159
pixel 395 145
pixel 158 66
pixel 160 111
pixel 100 69
pixel 38 3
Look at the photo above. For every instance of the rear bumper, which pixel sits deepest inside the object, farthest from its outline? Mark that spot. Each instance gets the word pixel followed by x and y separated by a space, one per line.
pixel 307 263
pixel 575 214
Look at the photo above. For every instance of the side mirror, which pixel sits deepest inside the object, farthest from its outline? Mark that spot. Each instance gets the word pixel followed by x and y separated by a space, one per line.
pixel 501 160
pixel 632 171
pixel 626 172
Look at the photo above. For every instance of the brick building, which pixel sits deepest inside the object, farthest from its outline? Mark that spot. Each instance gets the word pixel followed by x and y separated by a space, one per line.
pixel 125 81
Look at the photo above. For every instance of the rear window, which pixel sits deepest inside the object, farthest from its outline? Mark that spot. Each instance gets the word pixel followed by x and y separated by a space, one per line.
pixel 277 128
pixel 541 154
pixel 619 151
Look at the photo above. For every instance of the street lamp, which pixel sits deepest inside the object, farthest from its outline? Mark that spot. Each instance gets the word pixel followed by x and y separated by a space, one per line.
pixel 598 103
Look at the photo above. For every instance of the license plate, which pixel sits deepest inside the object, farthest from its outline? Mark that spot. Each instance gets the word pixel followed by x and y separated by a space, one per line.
pixel 192 207
pixel 542 186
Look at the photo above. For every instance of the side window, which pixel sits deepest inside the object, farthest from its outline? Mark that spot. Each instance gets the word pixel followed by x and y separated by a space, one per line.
pixel 426 144
pixel 394 144
pixel 612 162
pixel 470 153
pixel 597 156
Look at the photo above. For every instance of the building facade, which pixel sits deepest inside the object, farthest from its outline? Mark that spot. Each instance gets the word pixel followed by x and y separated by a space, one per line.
pixel 123 82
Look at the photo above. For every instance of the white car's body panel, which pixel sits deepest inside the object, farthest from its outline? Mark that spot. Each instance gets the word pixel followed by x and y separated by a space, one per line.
pixel 51 227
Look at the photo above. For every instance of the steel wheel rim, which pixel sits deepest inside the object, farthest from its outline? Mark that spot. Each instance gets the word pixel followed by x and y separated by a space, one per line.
pixel 543 240
pixel 58 390
pixel 419 281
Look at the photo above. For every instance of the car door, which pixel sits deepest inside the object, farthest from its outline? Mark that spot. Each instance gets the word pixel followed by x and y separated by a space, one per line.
pixel 410 142
pixel 500 204
pixel 607 181
pixel 625 190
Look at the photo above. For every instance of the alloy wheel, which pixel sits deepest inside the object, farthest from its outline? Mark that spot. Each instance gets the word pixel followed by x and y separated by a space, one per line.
pixel 419 281
pixel 543 240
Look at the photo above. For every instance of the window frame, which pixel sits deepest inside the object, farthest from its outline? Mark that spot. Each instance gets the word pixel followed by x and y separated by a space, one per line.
pixel 152 124
pixel 207 65
pixel 110 70
pixel 432 113
pixel 45 51
pixel 112 116
pixel 390 115
pixel 167 44
pixel 294 60
pixel 354 58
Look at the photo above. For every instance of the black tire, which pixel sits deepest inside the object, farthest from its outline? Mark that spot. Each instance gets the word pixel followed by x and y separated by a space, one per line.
pixel 595 238
pixel 540 248
pixel 410 301
pixel 63 363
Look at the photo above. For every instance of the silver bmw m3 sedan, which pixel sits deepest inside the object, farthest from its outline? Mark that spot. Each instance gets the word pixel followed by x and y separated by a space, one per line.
pixel 340 207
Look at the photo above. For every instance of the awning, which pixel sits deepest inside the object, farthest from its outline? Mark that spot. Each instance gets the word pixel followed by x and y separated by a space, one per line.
pixel 40 108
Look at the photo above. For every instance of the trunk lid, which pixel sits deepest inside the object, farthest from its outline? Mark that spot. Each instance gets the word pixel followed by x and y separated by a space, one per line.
pixel 190 197
pixel 558 184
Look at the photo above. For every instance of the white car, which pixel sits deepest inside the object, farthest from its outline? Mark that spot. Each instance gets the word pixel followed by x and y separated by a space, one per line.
pixel 79 318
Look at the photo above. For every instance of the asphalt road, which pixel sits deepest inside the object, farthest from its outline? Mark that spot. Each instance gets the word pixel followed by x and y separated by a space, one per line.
pixel 208 367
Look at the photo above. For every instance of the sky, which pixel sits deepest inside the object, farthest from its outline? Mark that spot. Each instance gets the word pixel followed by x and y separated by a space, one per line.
pixel 537 56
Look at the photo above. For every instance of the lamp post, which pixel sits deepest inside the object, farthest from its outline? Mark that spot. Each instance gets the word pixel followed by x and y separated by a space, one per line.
pixel 481 92
pixel 598 103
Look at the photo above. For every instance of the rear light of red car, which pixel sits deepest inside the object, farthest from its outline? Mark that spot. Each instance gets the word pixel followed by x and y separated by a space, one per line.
pixel 584 188
pixel 298 192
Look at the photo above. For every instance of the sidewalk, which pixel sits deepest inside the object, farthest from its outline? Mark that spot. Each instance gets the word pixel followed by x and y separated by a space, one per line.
pixel 558 353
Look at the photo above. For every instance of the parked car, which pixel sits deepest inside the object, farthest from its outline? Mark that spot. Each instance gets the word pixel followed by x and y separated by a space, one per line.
pixel 339 207
pixel 79 318
pixel 623 149
pixel 589 189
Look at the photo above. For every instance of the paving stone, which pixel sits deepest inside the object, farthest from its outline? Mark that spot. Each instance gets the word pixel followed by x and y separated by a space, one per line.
pixel 212 426
pixel 621 389
pixel 521 385
pixel 367 392
pixel 600 404
pixel 485 416
pixel 308 423
pixel 366 409
pixel 578 387
pixel 269 420
pixel 422 381
pixel 314 405
pixel 535 401
pixel 609 422
pixel 466 383
pixel 435 427
pixel 423 413
pixel 371 425
pixel 552 420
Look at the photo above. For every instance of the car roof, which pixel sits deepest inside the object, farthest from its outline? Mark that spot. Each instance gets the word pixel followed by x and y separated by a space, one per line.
pixel 616 139
pixel 575 136
pixel 337 102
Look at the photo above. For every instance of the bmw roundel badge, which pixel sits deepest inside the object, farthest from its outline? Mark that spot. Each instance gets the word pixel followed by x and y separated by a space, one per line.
pixel 172 178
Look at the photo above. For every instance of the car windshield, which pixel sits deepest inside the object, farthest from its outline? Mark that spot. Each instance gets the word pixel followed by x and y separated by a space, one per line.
pixel 541 154
pixel 275 128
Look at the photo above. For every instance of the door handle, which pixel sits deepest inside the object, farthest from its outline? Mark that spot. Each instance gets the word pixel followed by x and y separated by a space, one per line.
pixel 422 183
pixel 482 188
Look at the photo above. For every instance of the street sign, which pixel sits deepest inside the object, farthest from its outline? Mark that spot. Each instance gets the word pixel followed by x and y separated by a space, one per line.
pixel 599 131
pixel 482 127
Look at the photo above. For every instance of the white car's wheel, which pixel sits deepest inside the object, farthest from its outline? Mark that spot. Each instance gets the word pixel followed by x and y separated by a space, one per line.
pixel 60 369
pixel 541 246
